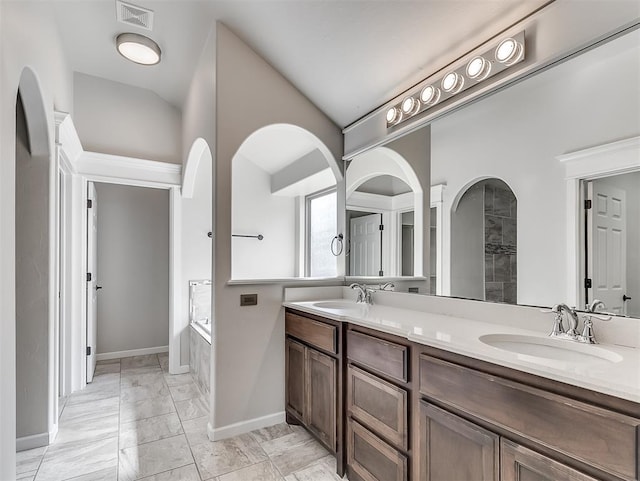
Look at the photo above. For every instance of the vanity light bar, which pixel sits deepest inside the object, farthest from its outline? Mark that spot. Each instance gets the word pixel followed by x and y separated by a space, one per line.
pixel 480 66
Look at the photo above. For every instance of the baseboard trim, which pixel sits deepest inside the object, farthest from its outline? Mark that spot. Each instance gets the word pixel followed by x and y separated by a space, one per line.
pixel 105 356
pixel 181 370
pixel 30 442
pixel 242 427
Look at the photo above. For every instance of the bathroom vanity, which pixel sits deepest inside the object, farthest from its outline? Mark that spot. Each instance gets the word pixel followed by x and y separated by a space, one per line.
pixel 400 394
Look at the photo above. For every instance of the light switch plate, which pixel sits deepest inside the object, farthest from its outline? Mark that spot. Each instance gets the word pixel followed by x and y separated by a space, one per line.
pixel 248 300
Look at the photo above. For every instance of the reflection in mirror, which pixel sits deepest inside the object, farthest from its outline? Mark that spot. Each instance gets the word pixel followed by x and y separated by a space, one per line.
pixel 483 243
pixel 384 214
pixel 612 240
pixel 284 207
pixel 521 136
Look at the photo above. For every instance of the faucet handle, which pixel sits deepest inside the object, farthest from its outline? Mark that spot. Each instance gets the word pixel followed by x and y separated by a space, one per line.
pixel 558 326
pixel 602 318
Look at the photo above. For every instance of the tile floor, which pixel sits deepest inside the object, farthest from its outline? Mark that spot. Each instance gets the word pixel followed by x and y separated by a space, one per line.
pixel 137 421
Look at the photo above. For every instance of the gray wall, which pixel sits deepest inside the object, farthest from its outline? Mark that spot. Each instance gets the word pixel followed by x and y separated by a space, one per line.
pixel 32 284
pixel 133 267
pixel 119 119
pixel 250 339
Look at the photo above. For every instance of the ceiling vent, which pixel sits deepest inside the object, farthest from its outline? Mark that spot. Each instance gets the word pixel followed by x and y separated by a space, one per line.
pixel 133 15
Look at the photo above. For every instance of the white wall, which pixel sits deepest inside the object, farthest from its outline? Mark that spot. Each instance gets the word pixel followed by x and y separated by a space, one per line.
pixel 133 267
pixel 257 211
pixel 40 50
pixel 196 245
pixel 537 120
pixel 119 119
pixel 251 339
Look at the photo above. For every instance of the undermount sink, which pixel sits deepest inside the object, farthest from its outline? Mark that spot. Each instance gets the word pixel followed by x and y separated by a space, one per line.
pixel 550 351
pixel 338 305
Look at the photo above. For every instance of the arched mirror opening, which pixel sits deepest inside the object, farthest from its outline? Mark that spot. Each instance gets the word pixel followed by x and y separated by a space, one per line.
pixel 611 240
pixel 284 206
pixel 383 194
pixel 484 243
pixel 197 207
pixel 531 135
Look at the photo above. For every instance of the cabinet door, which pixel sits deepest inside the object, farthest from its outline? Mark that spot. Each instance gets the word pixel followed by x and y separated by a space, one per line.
pixel 321 396
pixel 452 448
pixel 295 373
pixel 522 464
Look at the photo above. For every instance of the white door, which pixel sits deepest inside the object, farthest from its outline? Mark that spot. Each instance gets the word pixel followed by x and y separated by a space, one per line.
pixel 607 245
pixel 92 279
pixel 366 245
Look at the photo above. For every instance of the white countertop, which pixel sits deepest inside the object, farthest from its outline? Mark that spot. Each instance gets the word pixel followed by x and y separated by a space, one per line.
pixel 462 336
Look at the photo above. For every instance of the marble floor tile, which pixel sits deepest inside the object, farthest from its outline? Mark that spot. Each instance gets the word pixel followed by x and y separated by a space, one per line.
pixel 90 410
pixel 294 451
pixel 272 432
pixel 154 458
pixel 30 459
pixel 139 361
pixel 108 474
pixel 192 408
pixel 28 476
pixel 141 377
pixel 138 393
pixel 185 473
pixel 264 471
pixel 182 392
pixel 147 408
pixel 149 429
pixel 97 428
pixel 222 457
pixel 96 391
pixel 163 358
pixel 323 470
pixel 177 379
pixel 196 430
pixel 72 460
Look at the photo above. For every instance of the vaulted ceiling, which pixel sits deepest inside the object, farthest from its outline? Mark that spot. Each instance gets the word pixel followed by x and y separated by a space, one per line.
pixel 347 56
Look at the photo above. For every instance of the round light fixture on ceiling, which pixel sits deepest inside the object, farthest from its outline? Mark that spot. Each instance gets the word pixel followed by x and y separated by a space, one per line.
pixel 452 82
pixel 430 95
pixel 393 116
pixel 509 51
pixel 410 105
pixel 138 48
pixel 478 68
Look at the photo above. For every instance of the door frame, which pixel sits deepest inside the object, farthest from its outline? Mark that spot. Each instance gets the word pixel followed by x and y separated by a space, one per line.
pixel 81 167
pixel 603 160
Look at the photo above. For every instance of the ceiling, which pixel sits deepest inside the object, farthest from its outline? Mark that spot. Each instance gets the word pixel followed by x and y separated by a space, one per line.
pixel 347 56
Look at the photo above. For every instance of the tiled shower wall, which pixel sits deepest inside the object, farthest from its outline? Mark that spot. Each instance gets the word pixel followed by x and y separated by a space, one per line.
pixel 500 245
pixel 200 360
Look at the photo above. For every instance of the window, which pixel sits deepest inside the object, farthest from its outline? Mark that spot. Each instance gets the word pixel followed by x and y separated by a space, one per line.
pixel 321 229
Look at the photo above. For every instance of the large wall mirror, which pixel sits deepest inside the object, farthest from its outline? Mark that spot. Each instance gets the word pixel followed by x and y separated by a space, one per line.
pixel 284 206
pixel 510 218
pixel 385 212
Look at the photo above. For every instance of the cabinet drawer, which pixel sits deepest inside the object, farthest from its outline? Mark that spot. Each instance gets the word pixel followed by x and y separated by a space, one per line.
pixel 382 356
pixel 371 459
pixel 316 333
pixel 592 435
pixel 379 405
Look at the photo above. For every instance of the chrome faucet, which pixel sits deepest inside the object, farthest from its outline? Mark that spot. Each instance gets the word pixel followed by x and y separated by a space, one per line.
pixel 383 287
pixel 558 326
pixel 364 293
pixel 587 336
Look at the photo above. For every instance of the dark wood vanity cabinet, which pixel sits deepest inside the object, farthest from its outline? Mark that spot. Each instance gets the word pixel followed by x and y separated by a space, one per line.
pixel 393 410
pixel 377 405
pixel 313 387
pixel 508 428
